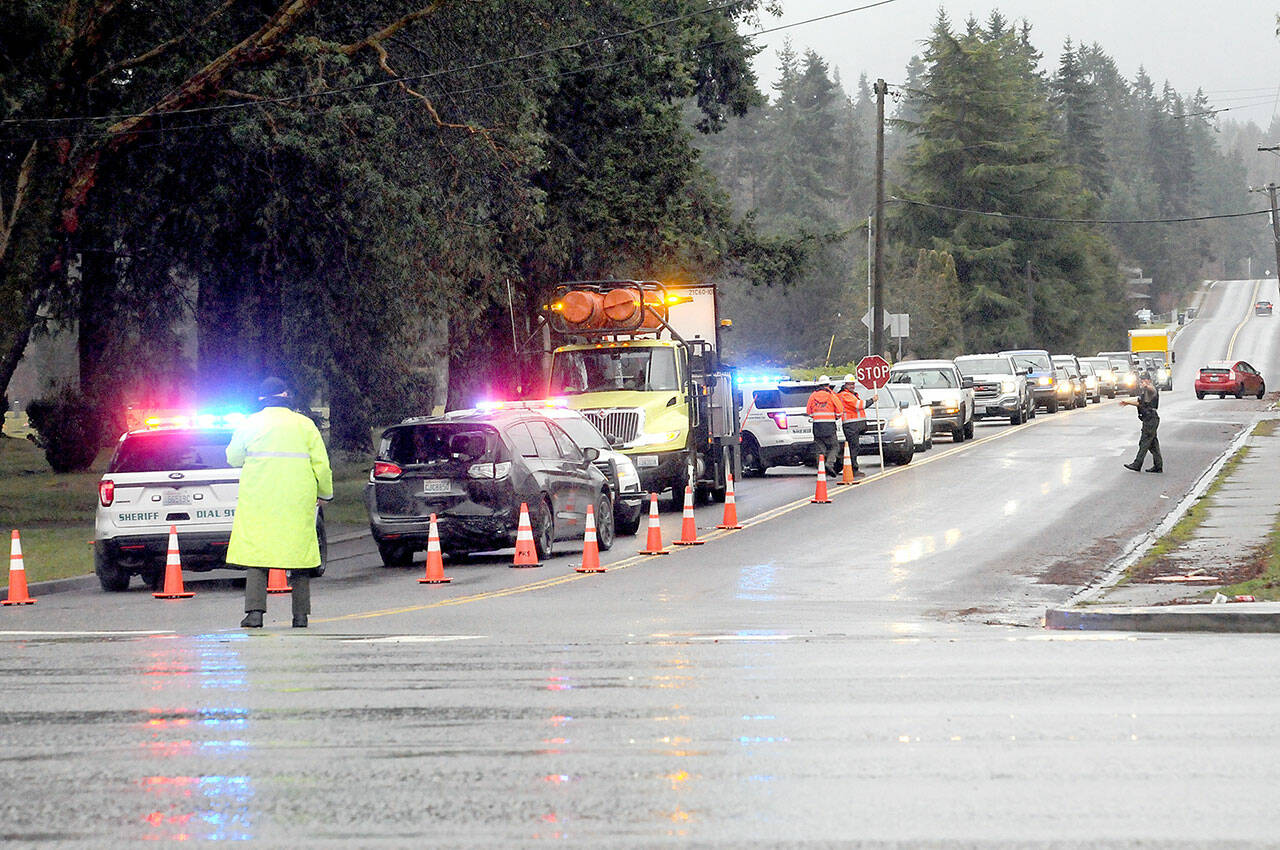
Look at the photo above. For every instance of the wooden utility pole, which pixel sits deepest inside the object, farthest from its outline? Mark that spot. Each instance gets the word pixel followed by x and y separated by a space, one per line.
pixel 1270 189
pixel 877 284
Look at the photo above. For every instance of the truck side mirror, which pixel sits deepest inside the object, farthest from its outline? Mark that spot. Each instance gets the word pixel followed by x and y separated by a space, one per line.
pixel 1173 357
pixel 966 383
pixel 591 453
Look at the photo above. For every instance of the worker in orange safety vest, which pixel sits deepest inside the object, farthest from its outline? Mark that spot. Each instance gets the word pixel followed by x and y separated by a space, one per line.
pixel 825 409
pixel 854 413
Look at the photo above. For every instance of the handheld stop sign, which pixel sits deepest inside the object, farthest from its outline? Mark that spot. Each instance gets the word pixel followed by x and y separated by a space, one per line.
pixel 873 371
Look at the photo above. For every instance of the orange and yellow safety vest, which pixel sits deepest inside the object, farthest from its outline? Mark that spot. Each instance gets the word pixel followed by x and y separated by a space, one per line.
pixel 854 406
pixel 823 406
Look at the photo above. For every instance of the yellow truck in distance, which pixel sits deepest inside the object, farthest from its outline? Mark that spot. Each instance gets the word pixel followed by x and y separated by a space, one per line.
pixel 1152 348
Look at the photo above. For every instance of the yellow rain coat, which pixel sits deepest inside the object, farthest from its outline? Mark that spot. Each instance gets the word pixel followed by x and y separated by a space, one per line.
pixel 285 469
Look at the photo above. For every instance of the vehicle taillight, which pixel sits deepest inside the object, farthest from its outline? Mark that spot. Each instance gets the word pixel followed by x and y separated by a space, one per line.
pixel 779 419
pixel 490 470
pixel 382 469
pixel 106 492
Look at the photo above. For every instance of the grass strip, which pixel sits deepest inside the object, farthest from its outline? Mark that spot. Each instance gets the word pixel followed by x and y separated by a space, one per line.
pixel 1186 527
pixel 54 513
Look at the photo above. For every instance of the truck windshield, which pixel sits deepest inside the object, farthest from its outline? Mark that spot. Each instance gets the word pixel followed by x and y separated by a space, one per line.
pixel 609 369
pixel 929 379
pixel 984 366
pixel 1035 361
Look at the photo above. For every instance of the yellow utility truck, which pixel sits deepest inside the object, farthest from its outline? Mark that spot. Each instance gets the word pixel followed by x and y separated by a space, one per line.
pixel 641 360
pixel 1152 348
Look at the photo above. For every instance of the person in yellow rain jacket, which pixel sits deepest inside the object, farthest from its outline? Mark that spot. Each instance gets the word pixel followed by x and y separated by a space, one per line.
pixel 285 471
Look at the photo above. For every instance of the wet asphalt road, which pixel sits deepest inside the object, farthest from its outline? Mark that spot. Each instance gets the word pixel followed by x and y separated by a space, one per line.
pixel 830 673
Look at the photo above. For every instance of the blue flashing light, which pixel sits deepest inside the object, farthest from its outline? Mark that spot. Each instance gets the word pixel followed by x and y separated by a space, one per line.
pixel 755 380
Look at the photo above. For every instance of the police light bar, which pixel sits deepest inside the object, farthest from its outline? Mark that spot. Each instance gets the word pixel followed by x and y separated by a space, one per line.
pixel 193 420
pixel 750 380
pixel 522 404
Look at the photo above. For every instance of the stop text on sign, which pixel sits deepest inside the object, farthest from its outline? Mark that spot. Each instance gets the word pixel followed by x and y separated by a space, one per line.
pixel 873 371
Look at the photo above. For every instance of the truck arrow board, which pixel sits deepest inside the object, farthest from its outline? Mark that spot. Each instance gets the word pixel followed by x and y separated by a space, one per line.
pixel 873 371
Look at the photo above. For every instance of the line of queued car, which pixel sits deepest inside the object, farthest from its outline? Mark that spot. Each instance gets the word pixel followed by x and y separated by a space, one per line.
pixel 929 398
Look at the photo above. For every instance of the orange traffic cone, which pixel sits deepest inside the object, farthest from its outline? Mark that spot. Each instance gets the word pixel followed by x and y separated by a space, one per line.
pixel 277 582
pixel 590 546
pixel 526 552
pixel 435 563
pixel 730 506
pixel 172 571
pixel 820 492
pixel 688 528
pixel 846 474
pixel 653 543
pixel 17 575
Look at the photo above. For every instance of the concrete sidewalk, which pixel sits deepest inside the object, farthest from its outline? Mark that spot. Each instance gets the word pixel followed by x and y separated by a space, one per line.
pixel 1173 593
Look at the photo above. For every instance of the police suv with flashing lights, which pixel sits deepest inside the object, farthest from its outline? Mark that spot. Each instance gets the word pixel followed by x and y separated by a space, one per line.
pixel 172 471
pixel 776 430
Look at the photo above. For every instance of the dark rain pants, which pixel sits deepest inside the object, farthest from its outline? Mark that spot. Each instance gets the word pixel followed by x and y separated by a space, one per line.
pixel 826 443
pixel 853 431
pixel 255 590
pixel 1149 442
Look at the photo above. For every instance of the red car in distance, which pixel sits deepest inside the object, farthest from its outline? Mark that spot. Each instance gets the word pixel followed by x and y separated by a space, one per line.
pixel 1235 377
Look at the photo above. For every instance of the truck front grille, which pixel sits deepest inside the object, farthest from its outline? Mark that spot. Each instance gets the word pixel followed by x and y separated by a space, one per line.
pixel 621 425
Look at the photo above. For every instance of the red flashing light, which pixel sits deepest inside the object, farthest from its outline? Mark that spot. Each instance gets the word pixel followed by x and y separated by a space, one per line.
pixel 106 492
pixel 383 469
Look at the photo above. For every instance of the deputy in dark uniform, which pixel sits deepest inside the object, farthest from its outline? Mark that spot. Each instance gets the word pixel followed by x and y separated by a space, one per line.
pixel 1147 402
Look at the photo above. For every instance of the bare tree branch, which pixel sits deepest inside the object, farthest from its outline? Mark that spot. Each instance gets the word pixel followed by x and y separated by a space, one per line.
pixel 390 30
pixel 159 49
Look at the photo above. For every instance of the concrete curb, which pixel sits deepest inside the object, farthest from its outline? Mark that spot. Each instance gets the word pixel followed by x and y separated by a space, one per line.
pixel 1232 617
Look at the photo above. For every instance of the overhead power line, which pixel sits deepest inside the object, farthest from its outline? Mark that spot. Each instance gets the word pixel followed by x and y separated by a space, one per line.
pixel 1019 217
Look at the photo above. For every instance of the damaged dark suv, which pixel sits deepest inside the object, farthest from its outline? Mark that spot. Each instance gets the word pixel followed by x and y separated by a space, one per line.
pixel 473 469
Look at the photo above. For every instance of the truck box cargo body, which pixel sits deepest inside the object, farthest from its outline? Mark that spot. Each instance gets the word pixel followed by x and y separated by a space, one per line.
pixel 1154 344
pixel 641 361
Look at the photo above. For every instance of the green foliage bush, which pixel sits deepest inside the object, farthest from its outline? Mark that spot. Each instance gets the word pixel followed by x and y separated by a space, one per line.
pixel 68 428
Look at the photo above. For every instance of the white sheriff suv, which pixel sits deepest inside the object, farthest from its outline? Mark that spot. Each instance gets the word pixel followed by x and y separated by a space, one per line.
pixel 171 471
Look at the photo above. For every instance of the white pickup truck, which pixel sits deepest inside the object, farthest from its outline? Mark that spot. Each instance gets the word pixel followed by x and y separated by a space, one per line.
pixel 944 389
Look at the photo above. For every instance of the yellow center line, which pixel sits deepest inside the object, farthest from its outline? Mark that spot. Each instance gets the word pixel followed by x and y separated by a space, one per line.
pixel 1253 299
pixel 835 492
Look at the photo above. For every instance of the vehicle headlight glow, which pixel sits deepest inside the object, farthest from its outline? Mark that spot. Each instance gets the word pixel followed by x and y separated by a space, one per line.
pixel 898 421
pixel 1162 374
pixel 655 439
pixel 1045 382
pixel 1008 386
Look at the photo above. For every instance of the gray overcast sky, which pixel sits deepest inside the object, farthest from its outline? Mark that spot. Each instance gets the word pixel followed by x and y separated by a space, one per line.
pixel 1228 48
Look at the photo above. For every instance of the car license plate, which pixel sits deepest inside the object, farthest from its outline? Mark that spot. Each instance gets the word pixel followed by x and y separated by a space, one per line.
pixel 646 461
pixel 177 499
pixel 437 485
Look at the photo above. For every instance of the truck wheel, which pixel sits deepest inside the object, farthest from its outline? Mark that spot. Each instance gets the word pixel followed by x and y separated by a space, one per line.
pixel 111 576
pixel 1262 390
pixel 968 429
pixel 1018 418
pixel 1051 406
pixel 395 554
pixel 957 434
